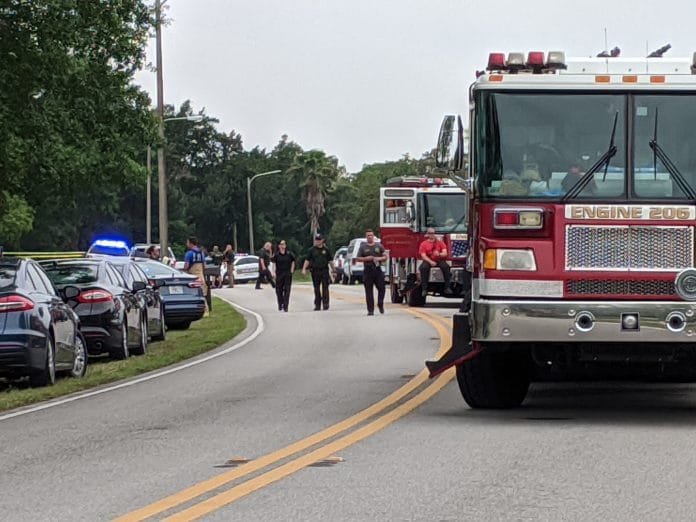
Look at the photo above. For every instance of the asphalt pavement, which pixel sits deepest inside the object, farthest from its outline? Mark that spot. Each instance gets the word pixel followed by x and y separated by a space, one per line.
pixel 601 451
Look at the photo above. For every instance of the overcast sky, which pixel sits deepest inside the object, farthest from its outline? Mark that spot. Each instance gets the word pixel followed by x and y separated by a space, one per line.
pixel 369 80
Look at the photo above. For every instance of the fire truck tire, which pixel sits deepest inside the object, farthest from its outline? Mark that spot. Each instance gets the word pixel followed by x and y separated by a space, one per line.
pixel 396 296
pixel 416 298
pixel 496 380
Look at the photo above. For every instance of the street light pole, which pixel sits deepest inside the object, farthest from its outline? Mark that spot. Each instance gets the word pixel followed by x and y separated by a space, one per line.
pixel 148 204
pixel 251 219
pixel 161 178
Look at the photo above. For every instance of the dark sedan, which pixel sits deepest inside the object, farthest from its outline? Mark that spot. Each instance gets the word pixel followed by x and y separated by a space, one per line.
pixel 39 333
pixel 181 293
pixel 149 296
pixel 112 318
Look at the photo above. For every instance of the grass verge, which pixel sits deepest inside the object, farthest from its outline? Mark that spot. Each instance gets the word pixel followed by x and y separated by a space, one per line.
pixel 210 332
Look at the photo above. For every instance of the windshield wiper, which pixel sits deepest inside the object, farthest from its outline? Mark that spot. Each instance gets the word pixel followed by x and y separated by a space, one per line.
pixel 659 153
pixel 585 179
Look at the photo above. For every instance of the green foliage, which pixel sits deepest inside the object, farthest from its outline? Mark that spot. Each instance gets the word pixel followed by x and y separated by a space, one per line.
pixel 72 121
pixel 75 131
pixel 17 218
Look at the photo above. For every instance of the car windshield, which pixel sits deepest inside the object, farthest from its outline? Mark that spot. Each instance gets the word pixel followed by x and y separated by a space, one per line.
pixel 71 274
pixel 667 119
pixel 7 275
pixel 444 212
pixel 247 261
pixel 155 268
pixel 537 145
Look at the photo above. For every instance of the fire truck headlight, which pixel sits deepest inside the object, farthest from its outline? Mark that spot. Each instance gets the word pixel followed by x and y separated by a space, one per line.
pixel 509 259
pixel 685 284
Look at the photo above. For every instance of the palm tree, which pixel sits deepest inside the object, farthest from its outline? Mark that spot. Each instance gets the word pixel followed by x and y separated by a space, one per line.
pixel 315 173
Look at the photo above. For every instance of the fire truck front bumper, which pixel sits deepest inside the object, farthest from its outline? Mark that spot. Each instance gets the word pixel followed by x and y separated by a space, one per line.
pixel 583 321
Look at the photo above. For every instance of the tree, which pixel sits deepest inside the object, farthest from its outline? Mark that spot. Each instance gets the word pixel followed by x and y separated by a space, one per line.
pixel 315 173
pixel 73 125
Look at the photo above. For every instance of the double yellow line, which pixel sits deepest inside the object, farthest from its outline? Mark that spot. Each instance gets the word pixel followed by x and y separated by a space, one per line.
pixel 441 325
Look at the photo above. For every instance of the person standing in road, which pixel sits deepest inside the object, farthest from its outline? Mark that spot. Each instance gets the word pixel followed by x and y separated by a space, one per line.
pixel 285 266
pixel 264 261
pixel 194 264
pixel 319 261
pixel 433 252
pixel 153 252
pixel 216 256
pixel 371 254
pixel 228 259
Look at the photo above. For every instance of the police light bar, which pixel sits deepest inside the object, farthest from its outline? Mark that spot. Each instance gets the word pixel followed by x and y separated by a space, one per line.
pixel 111 243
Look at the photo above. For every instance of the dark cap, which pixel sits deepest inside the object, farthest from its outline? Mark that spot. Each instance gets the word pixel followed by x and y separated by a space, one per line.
pixel 318 237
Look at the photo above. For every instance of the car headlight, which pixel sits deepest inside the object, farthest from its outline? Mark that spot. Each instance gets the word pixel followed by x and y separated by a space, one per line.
pixel 509 259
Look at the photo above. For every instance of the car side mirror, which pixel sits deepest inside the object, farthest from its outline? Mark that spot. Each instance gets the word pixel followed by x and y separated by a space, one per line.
pixel 449 153
pixel 139 285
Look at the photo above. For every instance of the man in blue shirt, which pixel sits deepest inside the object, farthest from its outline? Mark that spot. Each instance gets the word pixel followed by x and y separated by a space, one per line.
pixel 194 264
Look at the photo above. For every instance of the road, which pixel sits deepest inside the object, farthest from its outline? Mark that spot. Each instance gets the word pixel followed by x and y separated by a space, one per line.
pixel 292 402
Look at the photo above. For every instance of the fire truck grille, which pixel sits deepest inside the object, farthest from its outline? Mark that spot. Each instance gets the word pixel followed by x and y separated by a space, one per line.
pixel 619 287
pixel 632 248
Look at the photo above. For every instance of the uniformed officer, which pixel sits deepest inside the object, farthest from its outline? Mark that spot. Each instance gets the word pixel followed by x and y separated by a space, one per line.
pixel 285 266
pixel 371 254
pixel 194 264
pixel 319 260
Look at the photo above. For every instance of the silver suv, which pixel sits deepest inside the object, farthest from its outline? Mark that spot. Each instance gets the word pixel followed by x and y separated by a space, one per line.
pixel 353 270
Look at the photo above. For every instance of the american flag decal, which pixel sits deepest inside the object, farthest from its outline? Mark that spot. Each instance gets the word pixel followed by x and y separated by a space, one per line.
pixel 460 247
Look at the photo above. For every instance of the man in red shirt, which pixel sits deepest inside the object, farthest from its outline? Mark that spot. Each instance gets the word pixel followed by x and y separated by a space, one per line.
pixel 433 252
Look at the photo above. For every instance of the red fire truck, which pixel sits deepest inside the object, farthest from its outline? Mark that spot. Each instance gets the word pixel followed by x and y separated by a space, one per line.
pixel 583 208
pixel 408 207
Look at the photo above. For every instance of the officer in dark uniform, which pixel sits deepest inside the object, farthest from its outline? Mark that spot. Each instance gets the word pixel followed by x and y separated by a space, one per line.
pixel 371 254
pixel 319 260
pixel 285 266
pixel 264 262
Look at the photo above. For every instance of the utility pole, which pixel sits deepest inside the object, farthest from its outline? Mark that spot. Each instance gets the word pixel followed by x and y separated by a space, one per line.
pixel 161 175
pixel 148 205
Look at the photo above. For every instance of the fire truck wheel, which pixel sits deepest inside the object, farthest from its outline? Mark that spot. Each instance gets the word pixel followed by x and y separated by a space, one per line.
pixel 396 296
pixel 495 380
pixel 416 298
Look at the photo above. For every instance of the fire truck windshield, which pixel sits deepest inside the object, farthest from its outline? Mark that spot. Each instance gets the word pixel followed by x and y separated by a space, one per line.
pixel 445 213
pixel 537 145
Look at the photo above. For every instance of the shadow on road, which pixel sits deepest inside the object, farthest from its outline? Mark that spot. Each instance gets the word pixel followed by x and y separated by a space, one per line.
pixel 601 403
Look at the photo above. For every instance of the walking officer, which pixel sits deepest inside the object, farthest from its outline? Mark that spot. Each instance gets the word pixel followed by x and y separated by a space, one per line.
pixel 285 266
pixel 371 254
pixel 319 260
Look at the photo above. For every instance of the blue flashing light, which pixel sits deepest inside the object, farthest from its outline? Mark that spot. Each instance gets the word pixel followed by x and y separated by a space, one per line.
pixel 111 243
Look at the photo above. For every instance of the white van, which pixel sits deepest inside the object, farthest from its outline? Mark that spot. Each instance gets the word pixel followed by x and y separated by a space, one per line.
pixel 353 270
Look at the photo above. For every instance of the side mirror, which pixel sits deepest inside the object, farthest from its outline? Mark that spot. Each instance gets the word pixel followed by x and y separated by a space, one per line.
pixel 139 285
pixel 70 292
pixel 409 212
pixel 449 154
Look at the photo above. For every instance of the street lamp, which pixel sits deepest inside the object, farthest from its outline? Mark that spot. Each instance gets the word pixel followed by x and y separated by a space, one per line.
pixel 251 220
pixel 148 217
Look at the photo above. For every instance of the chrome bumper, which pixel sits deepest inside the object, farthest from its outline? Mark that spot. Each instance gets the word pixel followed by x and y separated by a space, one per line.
pixel 582 321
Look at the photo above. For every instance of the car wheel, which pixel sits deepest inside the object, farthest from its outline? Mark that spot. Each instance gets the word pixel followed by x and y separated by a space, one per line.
pixel 47 375
pixel 141 349
pixel 122 352
pixel 80 362
pixel 162 335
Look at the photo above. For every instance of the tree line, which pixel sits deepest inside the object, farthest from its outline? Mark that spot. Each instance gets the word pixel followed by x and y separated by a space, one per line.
pixel 75 130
